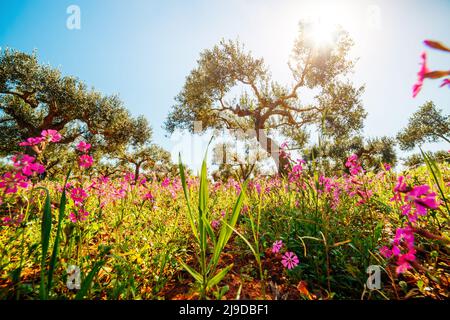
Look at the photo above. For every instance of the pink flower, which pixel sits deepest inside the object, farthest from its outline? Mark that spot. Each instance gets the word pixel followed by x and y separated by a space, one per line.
pixel 81 215
pixel 85 161
pixel 258 188
pixel 353 165
pixel 11 181
pixel 148 196
pixel 51 135
pixel 289 260
pixel 26 164
pixel 215 224
pixel 31 142
pixel 401 185
pixel 78 195
pixel 83 146
pixel 165 183
pixel 422 198
pixel 386 252
pixel 276 247
pixel 387 166
pixel 445 82
pixel 402 248
pixel 421 74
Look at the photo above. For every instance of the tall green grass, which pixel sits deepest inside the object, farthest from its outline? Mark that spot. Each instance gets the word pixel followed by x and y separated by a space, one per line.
pixel 207 276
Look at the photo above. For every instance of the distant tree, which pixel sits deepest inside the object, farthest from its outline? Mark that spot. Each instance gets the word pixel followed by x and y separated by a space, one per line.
pixel 428 124
pixel 236 163
pixel 264 105
pixel 373 153
pixel 148 156
pixel 416 160
pixel 34 97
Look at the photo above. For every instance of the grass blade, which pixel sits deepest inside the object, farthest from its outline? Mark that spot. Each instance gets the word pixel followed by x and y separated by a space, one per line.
pixel 46 227
pixel 62 209
pixel 219 276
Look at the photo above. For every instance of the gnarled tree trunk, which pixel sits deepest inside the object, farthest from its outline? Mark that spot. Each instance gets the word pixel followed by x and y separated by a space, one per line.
pixel 274 150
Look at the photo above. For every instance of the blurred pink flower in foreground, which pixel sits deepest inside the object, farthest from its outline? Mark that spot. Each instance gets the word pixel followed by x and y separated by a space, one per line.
pixel 421 74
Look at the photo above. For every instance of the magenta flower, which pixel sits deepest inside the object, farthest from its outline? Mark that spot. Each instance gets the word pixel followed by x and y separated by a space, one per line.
pixel 11 181
pixel 165 183
pixel 401 185
pixel 387 166
pixel 51 135
pixel 422 198
pixel 258 188
pixel 81 215
pixel 31 142
pixel 386 252
pixel 445 82
pixel 353 164
pixel 83 146
pixel 276 247
pixel 421 74
pixel 85 161
pixel 78 195
pixel 148 196
pixel 289 260
pixel 215 224
pixel 402 248
pixel 26 164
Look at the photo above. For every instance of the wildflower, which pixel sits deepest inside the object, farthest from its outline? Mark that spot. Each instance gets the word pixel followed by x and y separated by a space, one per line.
pixel 83 146
pixel 401 185
pixel 289 260
pixel 129 176
pixel 353 165
pixel 11 181
pixel 81 215
pixel 276 247
pixel 31 142
pixel 387 167
pixel 85 161
pixel 51 135
pixel 283 153
pixel 404 238
pixel 386 252
pixel 26 164
pixel 422 198
pixel 148 196
pixel 445 82
pixel 215 224
pixel 296 171
pixel 165 183
pixel 78 195
pixel 421 74
pixel 258 188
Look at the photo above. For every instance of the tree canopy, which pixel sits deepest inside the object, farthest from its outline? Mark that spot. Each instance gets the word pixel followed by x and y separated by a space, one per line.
pixel 428 124
pixel 36 97
pixel 264 105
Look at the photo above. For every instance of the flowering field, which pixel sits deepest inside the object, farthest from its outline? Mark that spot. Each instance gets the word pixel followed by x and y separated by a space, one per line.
pixel 298 195
pixel 302 236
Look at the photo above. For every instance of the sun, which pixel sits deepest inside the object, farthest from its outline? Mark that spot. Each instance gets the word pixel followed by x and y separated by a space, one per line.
pixel 321 33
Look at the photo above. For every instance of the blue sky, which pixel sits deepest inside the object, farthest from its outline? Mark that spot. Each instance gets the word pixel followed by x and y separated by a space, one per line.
pixel 143 50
